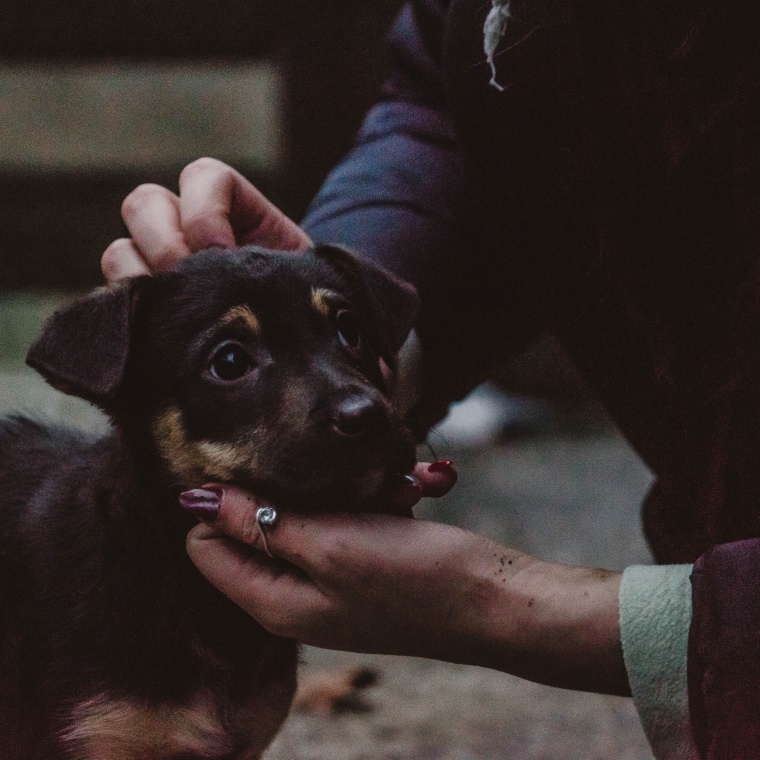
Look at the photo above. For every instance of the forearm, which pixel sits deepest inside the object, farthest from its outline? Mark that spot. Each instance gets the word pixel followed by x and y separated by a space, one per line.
pixel 549 623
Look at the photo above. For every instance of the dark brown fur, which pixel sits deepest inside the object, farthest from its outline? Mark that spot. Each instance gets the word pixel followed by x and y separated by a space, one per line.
pixel 112 646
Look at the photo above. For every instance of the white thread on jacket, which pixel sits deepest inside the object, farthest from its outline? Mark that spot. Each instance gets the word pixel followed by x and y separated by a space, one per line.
pixel 493 30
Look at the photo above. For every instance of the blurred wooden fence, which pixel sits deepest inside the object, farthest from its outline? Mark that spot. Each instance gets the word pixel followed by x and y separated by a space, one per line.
pixel 54 223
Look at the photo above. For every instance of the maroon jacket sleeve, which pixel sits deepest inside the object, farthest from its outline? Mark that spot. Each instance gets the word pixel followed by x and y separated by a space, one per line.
pixel 724 652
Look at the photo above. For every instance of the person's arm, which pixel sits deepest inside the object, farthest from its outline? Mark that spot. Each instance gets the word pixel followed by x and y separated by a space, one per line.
pixel 383 584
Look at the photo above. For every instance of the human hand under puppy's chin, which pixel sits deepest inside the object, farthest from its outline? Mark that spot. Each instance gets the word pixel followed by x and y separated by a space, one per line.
pixel 388 584
pixel 337 577
pixel 305 555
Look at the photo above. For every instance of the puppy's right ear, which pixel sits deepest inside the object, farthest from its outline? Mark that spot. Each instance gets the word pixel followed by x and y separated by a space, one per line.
pixel 84 346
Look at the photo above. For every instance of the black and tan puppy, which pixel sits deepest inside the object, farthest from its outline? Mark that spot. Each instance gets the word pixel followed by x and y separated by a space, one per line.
pixel 260 368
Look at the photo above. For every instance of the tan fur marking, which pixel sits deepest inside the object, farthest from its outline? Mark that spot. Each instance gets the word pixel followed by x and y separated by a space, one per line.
pixel 320 300
pixel 183 458
pixel 104 728
pixel 226 458
pixel 109 729
pixel 197 462
pixel 246 316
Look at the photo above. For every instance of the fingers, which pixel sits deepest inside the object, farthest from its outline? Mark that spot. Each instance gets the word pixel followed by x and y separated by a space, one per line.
pixel 432 480
pixel 151 213
pixel 217 206
pixel 221 207
pixel 206 189
pixel 122 259
pixel 235 516
pixel 152 216
pixel 275 593
pixel 308 541
pixel 436 479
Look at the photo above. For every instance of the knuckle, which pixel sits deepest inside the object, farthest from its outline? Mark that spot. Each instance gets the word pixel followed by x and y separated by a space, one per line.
pixel 170 252
pixel 250 532
pixel 332 555
pixel 208 228
pixel 141 196
pixel 278 625
pixel 197 225
pixel 300 624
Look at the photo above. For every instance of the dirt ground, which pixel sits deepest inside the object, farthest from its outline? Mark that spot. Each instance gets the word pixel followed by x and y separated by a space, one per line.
pixel 568 493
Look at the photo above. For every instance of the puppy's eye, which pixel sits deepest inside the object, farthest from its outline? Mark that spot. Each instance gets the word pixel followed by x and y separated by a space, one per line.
pixel 229 362
pixel 348 330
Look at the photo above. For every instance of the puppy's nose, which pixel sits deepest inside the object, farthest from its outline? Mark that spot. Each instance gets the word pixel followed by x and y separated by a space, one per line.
pixel 355 415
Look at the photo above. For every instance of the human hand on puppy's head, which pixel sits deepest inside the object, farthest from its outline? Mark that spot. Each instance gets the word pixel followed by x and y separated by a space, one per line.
pixel 216 206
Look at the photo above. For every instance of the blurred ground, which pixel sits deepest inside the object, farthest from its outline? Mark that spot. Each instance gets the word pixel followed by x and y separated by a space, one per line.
pixel 567 488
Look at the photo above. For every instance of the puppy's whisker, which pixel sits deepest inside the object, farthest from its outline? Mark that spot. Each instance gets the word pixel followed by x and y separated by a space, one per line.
pixel 427 445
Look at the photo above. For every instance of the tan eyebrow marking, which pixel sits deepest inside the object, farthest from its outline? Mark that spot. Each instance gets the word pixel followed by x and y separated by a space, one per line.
pixel 321 299
pixel 246 316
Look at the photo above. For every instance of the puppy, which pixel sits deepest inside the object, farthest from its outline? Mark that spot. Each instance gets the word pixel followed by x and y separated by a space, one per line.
pixel 265 369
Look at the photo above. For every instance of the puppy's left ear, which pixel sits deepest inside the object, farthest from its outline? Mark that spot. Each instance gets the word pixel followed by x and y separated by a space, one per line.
pixel 84 346
pixel 392 304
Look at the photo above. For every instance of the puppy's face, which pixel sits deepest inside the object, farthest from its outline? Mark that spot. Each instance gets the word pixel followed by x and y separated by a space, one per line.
pixel 261 368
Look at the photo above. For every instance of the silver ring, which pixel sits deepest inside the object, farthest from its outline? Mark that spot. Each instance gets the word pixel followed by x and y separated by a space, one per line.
pixel 266 516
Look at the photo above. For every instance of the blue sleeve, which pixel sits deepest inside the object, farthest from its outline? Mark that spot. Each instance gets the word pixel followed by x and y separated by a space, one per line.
pixel 403 197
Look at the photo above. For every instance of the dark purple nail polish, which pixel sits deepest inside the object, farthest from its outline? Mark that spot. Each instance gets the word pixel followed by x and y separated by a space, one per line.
pixel 202 503
pixel 443 465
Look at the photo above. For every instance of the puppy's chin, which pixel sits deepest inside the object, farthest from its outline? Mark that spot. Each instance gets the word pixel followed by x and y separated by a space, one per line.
pixel 349 492
pixel 357 480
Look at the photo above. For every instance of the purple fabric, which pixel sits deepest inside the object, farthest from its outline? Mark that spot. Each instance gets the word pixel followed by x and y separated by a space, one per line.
pixel 724 647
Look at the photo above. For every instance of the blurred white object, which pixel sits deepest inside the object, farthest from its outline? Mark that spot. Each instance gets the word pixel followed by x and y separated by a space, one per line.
pixel 487 416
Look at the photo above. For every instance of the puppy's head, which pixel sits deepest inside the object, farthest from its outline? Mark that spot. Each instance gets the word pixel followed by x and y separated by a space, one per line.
pixel 262 368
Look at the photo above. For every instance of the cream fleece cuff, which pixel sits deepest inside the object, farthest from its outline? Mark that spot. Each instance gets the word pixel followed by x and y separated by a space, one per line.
pixel 655 614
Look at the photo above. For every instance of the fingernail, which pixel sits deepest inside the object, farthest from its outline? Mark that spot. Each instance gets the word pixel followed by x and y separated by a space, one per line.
pixel 411 490
pixel 442 465
pixel 202 503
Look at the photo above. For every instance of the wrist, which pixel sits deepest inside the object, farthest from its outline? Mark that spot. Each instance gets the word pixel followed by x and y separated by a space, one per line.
pixel 549 623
